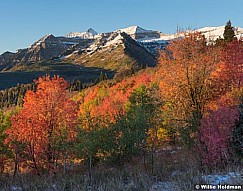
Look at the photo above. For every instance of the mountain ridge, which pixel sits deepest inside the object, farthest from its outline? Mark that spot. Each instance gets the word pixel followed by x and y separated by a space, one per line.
pixel 135 30
pixel 52 47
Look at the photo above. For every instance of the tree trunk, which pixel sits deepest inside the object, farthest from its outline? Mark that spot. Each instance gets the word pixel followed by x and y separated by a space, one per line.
pixel 152 159
pixel 32 152
pixel 35 164
pixel 65 163
pixel 90 173
pixel 144 155
pixel 120 155
pixel 2 165
pixel 15 165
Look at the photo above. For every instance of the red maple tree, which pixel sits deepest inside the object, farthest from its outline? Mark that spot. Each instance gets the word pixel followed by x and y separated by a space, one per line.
pixel 46 124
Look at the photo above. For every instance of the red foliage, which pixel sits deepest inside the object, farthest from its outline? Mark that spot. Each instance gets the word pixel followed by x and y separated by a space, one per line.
pixel 232 56
pixel 214 135
pixel 47 116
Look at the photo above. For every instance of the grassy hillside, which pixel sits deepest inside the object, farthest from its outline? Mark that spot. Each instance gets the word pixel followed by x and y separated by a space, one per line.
pixel 124 57
pixel 115 59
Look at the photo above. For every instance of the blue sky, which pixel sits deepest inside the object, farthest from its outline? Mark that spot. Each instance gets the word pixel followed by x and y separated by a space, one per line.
pixel 23 22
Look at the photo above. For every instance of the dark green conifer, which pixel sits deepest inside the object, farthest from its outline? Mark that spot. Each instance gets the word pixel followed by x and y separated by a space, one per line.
pixel 229 33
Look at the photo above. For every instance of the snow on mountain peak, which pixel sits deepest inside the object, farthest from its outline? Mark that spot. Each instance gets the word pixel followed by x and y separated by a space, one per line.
pixel 89 34
pixel 138 33
pixel 46 37
pixel 212 33
pixel 42 40
pixel 114 40
pixel 134 30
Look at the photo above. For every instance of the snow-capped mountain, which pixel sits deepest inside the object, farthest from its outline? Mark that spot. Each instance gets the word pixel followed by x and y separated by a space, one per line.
pixel 50 47
pixel 115 51
pixel 139 33
pixel 134 30
pixel 47 47
pixel 212 33
pixel 89 34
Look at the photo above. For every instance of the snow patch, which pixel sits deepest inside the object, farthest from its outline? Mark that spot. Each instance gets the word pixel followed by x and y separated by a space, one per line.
pixel 41 40
pixel 230 178
pixel 133 30
pixel 164 186
pixel 117 40
pixel 212 33
pixel 15 188
pixel 83 35
pixel 89 34
pixel 104 42
pixel 163 38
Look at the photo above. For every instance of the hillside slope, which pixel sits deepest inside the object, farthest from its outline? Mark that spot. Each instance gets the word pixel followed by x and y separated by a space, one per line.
pixel 115 51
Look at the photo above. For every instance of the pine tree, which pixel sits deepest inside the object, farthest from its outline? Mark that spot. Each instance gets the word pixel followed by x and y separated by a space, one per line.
pixel 229 33
pixel 4 150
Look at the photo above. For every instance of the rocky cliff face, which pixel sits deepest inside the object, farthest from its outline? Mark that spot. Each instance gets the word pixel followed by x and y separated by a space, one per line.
pixel 45 48
pixel 6 60
pixel 48 47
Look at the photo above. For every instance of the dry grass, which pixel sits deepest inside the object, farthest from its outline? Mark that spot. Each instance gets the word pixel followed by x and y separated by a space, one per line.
pixel 174 169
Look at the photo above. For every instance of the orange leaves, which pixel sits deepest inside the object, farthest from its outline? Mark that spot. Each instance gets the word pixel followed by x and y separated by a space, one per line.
pixel 112 105
pixel 108 102
pixel 186 72
pixel 48 84
pixel 47 116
